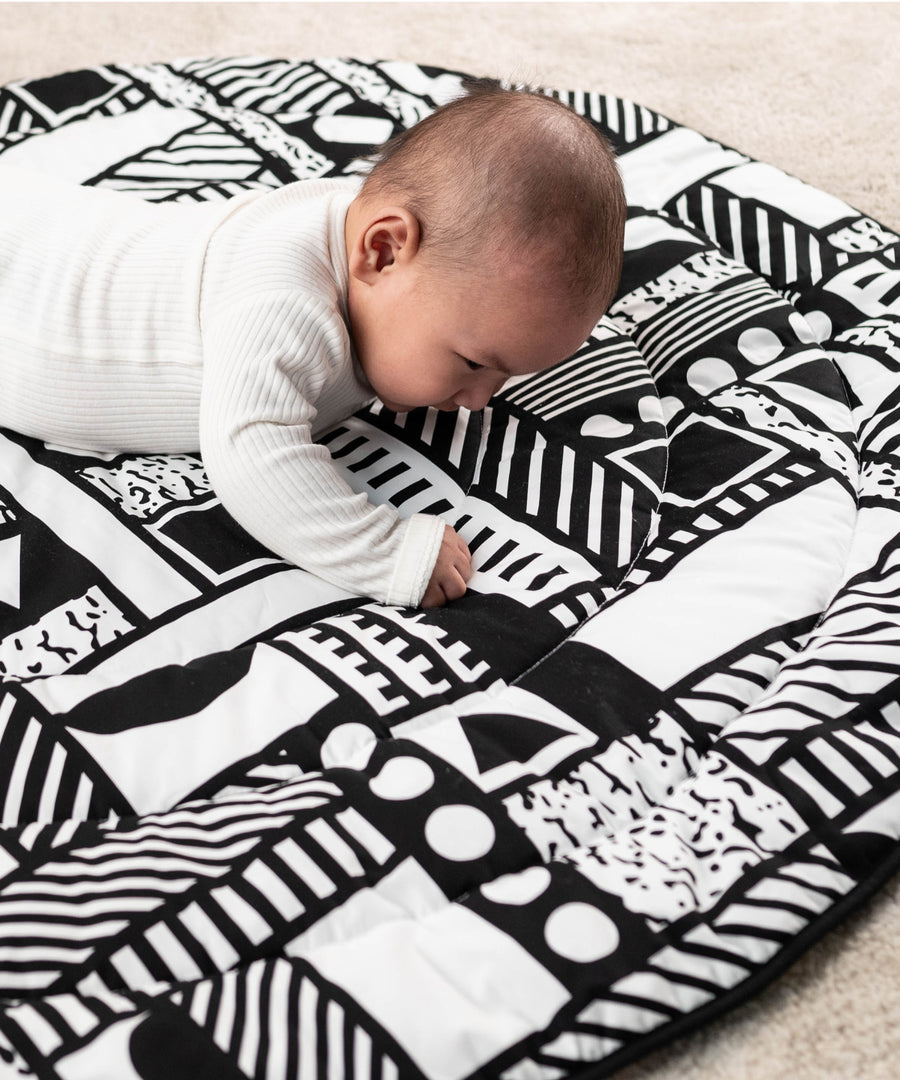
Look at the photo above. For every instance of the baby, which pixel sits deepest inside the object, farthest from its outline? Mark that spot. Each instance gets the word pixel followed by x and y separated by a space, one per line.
pixel 486 242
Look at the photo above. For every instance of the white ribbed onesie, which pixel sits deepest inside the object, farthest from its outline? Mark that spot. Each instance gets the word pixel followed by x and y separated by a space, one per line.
pixel 144 327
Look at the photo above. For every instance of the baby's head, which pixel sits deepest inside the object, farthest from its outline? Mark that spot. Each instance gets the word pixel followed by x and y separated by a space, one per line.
pixel 486 242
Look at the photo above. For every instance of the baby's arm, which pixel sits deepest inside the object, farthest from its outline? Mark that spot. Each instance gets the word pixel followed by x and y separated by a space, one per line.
pixel 264 360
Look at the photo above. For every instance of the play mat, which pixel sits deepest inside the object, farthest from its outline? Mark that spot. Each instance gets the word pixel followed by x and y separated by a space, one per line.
pixel 255 826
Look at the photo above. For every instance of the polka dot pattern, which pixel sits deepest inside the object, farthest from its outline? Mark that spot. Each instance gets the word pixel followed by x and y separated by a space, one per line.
pixel 459 833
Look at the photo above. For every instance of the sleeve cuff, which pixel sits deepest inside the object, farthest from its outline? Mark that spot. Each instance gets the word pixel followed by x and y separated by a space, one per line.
pixel 415 561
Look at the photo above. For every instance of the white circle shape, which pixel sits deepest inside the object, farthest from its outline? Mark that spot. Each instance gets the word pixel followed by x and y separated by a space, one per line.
pixel 519 888
pixel 671 406
pixel 805 333
pixel 650 409
pixel 402 778
pixel 759 345
pixel 581 932
pixel 820 324
pixel 348 747
pixel 459 832
pixel 605 427
pixel 709 374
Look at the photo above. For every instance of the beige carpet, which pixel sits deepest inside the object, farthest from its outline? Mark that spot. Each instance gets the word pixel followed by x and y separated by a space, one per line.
pixel 813 88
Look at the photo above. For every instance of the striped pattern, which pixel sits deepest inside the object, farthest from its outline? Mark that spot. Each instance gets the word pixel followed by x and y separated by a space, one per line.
pixel 698 320
pixel 452 440
pixel 782 249
pixel 282 891
pixel 607 364
pixel 726 510
pixel 410 485
pixel 277 372
pixel 878 338
pixel 82 524
pixel 512 561
pixel 384 85
pixel 574 608
pixel 859 637
pixel 16 121
pixel 43 777
pixel 878 434
pixel 564 490
pixel 275 1019
pixel 679 978
pixel 718 697
pixel 271 87
pixel 834 770
pixel 625 120
pixel 387 659
pixel 199 164
pixel 264 134
pixel 74 907
pixel 716 819
pixel 59 1020
pixel 782 903
pixel 551 487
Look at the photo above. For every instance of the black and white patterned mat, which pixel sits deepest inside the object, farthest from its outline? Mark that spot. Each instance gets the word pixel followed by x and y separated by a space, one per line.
pixel 253 826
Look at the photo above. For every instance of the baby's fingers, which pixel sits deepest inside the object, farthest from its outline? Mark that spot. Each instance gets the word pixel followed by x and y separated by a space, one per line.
pixel 462 557
pixel 450 585
pixel 454 584
pixel 452 570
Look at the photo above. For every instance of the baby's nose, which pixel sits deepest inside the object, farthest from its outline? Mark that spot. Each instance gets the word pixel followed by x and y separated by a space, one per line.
pixel 474 398
pixel 477 394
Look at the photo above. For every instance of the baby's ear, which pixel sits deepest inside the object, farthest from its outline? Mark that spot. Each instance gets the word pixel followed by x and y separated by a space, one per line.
pixel 386 239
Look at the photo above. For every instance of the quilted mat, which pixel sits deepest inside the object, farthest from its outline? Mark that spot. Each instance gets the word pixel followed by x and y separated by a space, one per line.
pixel 254 826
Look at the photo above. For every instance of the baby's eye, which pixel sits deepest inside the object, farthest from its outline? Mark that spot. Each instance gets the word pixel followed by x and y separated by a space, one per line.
pixel 473 366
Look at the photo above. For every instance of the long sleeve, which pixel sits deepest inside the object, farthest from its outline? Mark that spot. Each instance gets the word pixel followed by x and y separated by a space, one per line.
pixel 266 361
pixel 127 325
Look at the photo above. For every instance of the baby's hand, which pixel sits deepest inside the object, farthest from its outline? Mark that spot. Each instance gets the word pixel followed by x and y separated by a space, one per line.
pixel 451 571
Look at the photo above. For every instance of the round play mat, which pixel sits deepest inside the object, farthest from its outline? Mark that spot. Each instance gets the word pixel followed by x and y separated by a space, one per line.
pixel 254 826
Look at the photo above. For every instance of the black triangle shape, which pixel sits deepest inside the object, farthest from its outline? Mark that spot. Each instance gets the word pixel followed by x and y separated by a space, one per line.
pixel 497 739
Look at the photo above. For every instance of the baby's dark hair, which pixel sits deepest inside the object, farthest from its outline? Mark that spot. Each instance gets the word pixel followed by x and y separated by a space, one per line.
pixel 518 169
